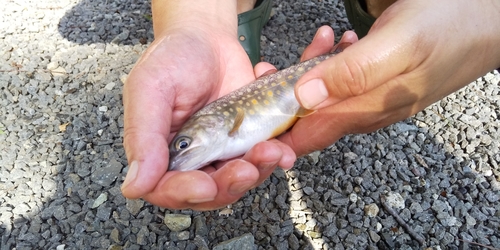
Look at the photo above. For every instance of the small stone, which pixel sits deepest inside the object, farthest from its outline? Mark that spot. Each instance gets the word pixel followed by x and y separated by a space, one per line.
pixel 200 226
pixel 103 213
pixel 439 206
pixel 244 242
pixel 100 200
pixel 416 208
pixel 177 222
pixel 308 190
pixel 200 243
pixel 110 86
pixel 374 236
pixel 330 230
pixel 315 235
pixel 353 197
pixel 477 214
pixel 115 235
pixel 492 196
pixel 226 211
pixel 105 176
pixel 60 247
pixel 340 202
pixel 59 71
pixel 115 247
pixel 59 212
pixel 471 222
pixel 134 206
pixel 315 156
pixel 293 242
pixel 402 127
pixel 395 200
pixel 371 210
pixel 123 78
pixel 103 108
pixel 142 236
pixel 52 65
pixel 121 37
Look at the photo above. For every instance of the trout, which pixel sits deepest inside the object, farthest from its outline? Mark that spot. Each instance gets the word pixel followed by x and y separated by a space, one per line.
pixel 229 126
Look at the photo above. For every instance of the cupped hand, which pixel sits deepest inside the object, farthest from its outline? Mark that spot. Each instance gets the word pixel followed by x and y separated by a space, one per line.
pixel 416 53
pixel 178 74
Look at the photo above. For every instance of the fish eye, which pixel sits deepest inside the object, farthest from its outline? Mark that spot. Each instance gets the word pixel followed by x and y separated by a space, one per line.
pixel 182 143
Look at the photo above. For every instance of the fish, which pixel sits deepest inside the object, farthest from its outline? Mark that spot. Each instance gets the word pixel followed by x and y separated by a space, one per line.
pixel 231 125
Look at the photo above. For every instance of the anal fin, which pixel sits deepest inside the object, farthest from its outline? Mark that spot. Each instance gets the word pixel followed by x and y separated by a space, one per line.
pixel 302 112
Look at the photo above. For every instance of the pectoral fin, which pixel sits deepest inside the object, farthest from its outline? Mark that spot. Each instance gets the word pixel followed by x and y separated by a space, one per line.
pixel 238 120
pixel 302 112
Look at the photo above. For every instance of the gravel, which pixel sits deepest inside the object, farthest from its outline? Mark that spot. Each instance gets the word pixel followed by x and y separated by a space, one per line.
pixel 62 161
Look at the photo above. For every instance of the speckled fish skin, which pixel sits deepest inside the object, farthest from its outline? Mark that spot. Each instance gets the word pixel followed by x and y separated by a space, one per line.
pixel 229 126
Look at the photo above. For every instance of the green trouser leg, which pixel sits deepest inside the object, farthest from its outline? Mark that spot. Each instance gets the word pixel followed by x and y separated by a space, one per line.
pixel 250 25
pixel 360 20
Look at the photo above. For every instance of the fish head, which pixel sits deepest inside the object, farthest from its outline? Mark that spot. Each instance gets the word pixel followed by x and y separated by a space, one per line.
pixel 199 142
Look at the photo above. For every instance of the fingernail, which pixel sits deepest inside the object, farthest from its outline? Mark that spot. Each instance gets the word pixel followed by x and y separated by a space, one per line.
pixel 240 187
pixel 266 166
pixel 200 200
pixel 133 169
pixel 312 93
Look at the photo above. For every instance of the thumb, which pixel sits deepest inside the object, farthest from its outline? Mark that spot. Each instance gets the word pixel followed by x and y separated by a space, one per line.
pixel 361 67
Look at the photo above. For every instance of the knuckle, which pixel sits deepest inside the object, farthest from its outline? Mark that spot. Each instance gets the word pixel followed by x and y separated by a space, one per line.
pixel 350 78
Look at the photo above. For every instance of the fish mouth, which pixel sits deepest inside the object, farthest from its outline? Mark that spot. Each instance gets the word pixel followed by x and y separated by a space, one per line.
pixel 191 159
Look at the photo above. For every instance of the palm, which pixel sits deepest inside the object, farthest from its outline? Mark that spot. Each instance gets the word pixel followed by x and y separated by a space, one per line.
pixel 175 77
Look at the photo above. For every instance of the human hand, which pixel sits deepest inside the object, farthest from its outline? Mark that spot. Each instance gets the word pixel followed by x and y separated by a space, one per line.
pixel 186 67
pixel 416 53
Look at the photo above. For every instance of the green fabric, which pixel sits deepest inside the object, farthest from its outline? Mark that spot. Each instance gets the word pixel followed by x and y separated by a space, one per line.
pixel 360 20
pixel 250 25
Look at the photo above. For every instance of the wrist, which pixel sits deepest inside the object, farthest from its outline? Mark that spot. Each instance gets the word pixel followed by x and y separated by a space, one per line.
pixel 175 14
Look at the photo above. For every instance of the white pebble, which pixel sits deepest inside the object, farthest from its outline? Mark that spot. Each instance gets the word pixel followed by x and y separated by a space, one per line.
pixel 395 200
pixel 110 86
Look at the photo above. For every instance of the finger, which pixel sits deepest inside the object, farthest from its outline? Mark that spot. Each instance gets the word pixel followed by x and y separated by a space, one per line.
pixel 361 67
pixel 263 68
pixel 360 114
pixel 289 157
pixel 180 190
pixel 232 181
pixel 321 44
pixel 239 176
pixel 266 156
pixel 349 37
pixel 236 177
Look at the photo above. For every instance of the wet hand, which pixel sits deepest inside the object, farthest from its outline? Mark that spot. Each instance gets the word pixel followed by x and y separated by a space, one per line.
pixel 415 54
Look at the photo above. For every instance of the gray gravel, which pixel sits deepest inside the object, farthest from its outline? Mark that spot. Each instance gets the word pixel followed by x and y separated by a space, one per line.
pixel 62 161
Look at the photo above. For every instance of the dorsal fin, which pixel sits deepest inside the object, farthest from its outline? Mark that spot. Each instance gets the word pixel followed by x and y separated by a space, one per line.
pixel 302 112
pixel 240 115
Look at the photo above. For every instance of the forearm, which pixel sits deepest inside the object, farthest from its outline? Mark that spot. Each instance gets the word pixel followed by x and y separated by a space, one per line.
pixel 178 14
pixel 487 34
pixel 496 33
